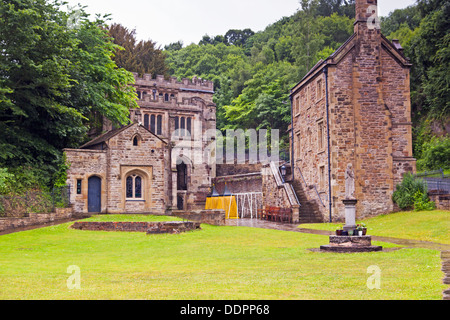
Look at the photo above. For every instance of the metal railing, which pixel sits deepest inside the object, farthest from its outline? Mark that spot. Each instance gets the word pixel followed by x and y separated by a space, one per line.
pixel 313 186
pixel 436 180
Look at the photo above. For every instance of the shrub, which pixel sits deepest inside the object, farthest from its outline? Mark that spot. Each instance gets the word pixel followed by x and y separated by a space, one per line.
pixel 435 154
pixel 422 202
pixel 412 193
pixel 6 181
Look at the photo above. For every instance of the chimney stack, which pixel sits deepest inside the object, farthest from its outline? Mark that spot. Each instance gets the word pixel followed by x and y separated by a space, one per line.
pixel 366 14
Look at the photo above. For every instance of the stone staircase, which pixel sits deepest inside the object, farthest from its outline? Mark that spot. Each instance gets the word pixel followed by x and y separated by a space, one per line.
pixel 309 210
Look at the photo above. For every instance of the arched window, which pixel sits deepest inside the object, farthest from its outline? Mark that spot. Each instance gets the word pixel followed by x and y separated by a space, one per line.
pixel 135 141
pixel 134 187
pixel 166 97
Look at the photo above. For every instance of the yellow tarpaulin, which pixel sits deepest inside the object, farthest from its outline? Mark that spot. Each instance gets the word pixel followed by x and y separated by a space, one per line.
pixel 225 203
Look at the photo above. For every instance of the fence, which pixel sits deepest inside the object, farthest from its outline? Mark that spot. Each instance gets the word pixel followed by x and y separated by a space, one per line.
pixel 36 201
pixel 436 180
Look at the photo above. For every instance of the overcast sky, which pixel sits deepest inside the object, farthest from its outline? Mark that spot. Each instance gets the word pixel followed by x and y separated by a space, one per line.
pixel 168 21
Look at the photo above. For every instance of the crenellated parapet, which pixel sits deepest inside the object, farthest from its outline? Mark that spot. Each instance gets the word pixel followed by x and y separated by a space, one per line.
pixel 195 84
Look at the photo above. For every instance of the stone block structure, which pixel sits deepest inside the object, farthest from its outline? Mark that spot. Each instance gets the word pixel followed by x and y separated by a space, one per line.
pixel 162 161
pixel 354 108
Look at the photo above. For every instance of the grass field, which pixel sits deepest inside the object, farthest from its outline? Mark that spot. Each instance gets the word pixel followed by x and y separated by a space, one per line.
pixel 212 263
pixel 431 226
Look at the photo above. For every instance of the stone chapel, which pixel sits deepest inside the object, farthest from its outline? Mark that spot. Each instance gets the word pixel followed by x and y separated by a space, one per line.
pixel 160 162
pixel 354 109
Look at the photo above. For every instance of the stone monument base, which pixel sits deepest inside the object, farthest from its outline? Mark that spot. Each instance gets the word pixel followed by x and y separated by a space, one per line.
pixel 351 244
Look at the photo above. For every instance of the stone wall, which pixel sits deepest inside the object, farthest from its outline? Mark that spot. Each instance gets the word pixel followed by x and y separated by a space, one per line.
pixel 113 165
pixel 442 200
pixel 146 160
pixel 239 183
pixel 148 227
pixel 213 217
pixel 237 169
pixel 369 121
pixel 83 165
pixel 35 219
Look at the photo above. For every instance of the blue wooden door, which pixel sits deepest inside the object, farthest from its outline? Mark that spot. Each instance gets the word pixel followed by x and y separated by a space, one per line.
pixel 94 194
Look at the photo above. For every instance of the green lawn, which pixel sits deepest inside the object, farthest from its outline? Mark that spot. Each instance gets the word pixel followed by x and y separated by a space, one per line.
pixel 212 263
pixel 431 226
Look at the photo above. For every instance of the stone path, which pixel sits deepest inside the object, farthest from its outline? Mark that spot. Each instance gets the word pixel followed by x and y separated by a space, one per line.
pixel 443 248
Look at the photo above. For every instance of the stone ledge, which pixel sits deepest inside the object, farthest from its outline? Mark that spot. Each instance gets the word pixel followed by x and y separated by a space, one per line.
pixel 172 227
pixel 350 249
pixel 207 216
pixel 351 240
pixel 350 244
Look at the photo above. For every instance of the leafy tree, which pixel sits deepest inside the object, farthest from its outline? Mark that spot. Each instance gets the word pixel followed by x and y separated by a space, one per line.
pixel 238 37
pixel 53 77
pixel 435 154
pixel 141 57
pixel 342 7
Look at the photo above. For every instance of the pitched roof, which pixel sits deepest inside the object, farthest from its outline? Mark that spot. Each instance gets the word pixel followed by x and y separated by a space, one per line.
pixel 112 133
pixel 105 136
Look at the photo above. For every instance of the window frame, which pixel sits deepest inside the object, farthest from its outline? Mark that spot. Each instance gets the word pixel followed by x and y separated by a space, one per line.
pixel 134 187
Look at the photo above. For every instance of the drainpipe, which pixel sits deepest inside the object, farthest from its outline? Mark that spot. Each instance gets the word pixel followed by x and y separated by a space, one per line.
pixel 292 140
pixel 325 71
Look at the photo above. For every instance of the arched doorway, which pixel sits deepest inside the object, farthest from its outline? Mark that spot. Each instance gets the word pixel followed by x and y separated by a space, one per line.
pixel 94 194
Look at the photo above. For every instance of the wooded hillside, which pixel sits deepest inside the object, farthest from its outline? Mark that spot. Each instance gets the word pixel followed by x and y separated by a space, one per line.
pixel 57 79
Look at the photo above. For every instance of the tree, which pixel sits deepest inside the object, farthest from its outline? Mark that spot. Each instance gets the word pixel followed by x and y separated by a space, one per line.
pixel 54 76
pixel 238 37
pixel 141 57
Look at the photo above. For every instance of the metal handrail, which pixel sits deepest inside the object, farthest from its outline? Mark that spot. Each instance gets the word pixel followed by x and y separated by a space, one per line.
pixel 306 185
pixel 284 183
pixel 295 194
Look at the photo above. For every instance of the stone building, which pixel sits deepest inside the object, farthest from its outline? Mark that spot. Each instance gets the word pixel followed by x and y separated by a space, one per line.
pixel 353 108
pixel 160 162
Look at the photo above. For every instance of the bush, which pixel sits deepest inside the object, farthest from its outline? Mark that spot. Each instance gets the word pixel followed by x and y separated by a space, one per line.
pixel 6 181
pixel 422 202
pixel 435 154
pixel 412 193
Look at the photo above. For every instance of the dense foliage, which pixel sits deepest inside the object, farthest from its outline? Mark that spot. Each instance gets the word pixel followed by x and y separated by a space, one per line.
pixel 253 76
pixel 423 31
pixel 136 56
pixel 412 193
pixel 56 75
pixel 254 72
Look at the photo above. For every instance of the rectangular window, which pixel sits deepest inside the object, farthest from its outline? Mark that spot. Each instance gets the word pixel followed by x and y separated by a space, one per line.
pixel 159 125
pixel 307 97
pixel 188 126
pixel 322 177
pixel 146 122
pixel 297 105
pixel 152 123
pixel 297 147
pixel 79 186
pixel 182 126
pixel 320 131
pixel 319 92
pixel 177 123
